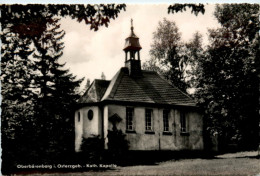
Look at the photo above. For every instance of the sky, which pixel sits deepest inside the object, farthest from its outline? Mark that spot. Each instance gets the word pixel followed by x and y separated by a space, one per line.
pixel 88 53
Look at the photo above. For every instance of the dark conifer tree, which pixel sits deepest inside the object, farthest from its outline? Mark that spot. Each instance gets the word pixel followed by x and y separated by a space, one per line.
pixel 37 92
pixel 18 98
pixel 58 90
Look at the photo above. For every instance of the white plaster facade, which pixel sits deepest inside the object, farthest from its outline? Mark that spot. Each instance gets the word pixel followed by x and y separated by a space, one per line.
pixel 139 140
pixel 87 128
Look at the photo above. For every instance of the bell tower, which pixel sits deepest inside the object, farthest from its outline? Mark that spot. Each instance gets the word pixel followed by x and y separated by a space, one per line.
pixel 132 55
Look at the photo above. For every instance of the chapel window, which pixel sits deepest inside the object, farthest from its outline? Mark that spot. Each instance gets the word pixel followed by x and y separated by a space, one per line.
pixel 183 122
pixel 78 116
pixel 90 114
pixel 148 120
pixel 129 118
pixel 165 120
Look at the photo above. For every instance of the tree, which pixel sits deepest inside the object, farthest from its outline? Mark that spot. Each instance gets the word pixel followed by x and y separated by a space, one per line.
pixel 195 8
pixel 58 91
pixel 18 99
pixel 38 94
pixel 87 85
pixel 16 16
pixel 31 89
pixel 226 78
pixel 152 65
pixel 166 53
pixel 193 52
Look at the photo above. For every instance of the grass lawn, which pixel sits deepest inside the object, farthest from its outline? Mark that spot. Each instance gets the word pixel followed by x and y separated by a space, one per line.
pixel 242 163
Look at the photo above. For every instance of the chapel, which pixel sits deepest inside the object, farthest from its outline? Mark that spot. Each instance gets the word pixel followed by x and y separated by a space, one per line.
pixel 151 112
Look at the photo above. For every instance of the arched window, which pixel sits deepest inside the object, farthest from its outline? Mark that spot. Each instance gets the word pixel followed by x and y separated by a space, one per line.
pixel 90 114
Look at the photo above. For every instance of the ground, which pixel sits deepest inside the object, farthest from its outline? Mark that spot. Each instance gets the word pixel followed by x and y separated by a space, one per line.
pixel 242 163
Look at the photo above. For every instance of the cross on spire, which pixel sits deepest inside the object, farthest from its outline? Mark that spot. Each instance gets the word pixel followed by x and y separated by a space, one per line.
pixel 132 27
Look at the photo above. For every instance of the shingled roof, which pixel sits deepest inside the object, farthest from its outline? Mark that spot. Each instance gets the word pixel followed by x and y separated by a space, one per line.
pixel 95 91
pixel 150 88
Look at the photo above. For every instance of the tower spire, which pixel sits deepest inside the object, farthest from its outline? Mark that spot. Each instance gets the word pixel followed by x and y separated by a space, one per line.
pixel 132 55
pixel 132 44
pixel 132 27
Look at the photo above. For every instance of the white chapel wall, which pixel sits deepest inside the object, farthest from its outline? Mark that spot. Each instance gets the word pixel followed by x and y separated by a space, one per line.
pixel 91 126
pixel 105 127
pixel 86 127
pixel 159 141
pixel 78 121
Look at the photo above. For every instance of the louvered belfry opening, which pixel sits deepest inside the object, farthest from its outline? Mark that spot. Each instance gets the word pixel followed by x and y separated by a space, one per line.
pixel 132 54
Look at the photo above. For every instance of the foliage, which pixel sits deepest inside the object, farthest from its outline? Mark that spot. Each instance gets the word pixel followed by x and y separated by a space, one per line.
pixel 18 99
pixel 195 8
pixel 170 57
pixel 31 20
pixel 57 91
pixel 117 145
pixel 152 65
pixel 165 50
pixel 38 93
pixel 92 149
pixel 226 78
pixel 224 74
pixel 194 51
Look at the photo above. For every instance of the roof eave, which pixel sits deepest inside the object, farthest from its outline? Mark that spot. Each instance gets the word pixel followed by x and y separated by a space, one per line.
pixel 136 103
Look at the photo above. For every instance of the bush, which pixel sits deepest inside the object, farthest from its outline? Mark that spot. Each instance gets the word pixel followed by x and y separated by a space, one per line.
pixel 117 145
pixel 92 149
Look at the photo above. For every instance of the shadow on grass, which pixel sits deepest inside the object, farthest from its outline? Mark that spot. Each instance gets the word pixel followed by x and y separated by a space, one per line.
pixel 253 157
pixel 154 157
pixel 250 157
